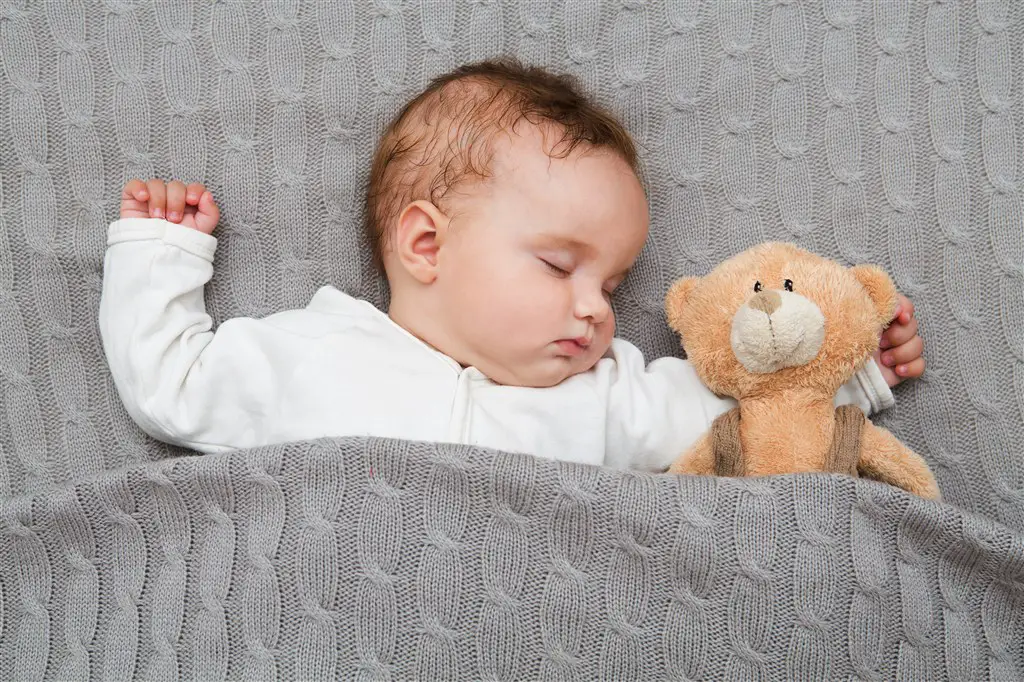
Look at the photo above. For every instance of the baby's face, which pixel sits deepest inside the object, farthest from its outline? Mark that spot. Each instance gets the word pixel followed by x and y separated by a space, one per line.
pixel 533 257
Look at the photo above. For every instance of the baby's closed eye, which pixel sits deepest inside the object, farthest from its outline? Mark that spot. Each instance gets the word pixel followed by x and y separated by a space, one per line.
pixel 558 266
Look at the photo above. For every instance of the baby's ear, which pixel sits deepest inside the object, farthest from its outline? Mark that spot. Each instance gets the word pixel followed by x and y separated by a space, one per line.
pixel 880 289
pixel 677 298
pixel 417 241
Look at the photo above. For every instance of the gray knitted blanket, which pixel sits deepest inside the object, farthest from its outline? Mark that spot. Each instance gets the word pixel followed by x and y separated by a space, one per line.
pixel 886 131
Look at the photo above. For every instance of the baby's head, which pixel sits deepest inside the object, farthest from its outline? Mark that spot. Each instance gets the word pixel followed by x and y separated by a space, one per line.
pixel 504 208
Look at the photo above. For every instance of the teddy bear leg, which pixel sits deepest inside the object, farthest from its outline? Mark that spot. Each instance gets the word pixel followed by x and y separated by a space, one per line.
pixel 699 460
pixel 886 459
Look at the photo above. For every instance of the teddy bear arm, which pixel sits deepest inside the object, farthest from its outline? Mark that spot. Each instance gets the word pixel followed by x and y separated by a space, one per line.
pixel 699 460
pixel 884 458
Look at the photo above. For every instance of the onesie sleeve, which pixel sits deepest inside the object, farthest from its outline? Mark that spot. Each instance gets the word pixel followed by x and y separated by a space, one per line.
pixel 657 411
pixel 179 380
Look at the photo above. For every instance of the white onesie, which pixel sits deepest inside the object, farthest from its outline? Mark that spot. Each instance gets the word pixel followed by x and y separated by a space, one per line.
pixel 340 367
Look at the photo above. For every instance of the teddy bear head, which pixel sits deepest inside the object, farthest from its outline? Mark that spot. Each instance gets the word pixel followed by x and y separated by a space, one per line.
pixel 777 317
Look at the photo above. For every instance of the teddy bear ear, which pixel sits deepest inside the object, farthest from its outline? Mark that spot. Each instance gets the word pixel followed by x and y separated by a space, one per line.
pixel 676 299
pixel 879 287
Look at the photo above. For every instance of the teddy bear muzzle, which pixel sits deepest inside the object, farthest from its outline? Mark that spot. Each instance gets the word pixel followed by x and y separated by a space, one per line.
pixel 775 329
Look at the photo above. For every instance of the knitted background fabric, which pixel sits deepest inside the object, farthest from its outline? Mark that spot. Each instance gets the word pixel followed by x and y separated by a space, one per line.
pixel 885 131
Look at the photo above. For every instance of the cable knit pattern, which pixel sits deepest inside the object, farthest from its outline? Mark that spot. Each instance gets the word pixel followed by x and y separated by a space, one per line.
pixel 1002 611
pixel 696 561
pixel 500 641
pixel 960 645
pixel 216 561
pixel 883 131
pixel 815 573
pixel 566 590
pixel 260 602
pixel 125 53
pixel 841 63
pixel 683 137
pixel 440 573
pixel 914 569
pixel 737 99
pixel 82 585
pixel 627 590
pixel 961 277
pixel 870 649
pixel 82 235
pixel 1003 207
pixel 289 146
pixel 318 567
pixel 31 581
pixel 898 171
pixel 33 234
pixel 125 576
pixel 794 186
pixel 378 542
pixel 174 542
pixel 340 90
pixel 239 243
pixel 753 599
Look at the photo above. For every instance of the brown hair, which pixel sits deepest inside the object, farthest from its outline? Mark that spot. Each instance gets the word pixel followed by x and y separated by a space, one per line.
pixel 446 130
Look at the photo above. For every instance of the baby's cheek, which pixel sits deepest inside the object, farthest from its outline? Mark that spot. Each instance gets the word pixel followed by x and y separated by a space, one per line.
pixel 603 338
pixel 607 329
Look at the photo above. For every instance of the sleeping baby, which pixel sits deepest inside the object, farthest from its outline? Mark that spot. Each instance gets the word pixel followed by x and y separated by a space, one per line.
pixel 504 208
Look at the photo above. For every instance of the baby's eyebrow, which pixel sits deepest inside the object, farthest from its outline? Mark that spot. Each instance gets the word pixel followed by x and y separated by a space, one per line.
pixel 571 244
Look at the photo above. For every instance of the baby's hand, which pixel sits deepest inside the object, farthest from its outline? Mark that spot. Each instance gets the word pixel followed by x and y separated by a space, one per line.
pixel 900 350
pixel 191 206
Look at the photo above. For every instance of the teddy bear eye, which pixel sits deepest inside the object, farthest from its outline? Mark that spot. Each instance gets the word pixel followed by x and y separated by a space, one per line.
pixel 757 286
pixel 788 284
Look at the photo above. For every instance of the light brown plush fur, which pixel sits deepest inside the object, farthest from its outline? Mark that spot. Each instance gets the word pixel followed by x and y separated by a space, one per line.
pixel 787 421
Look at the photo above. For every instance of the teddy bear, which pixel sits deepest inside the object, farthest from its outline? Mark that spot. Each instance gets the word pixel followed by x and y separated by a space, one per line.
pixel 780 329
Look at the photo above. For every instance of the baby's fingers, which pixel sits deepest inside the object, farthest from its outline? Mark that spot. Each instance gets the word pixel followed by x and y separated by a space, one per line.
pixel 157 198
pixel 193 192
pixel 208 215
pixel 904 310
pixel 898 334
pixel 135 189
pixel 906 353
pixel 911 370
pixel 135 200
pixel 175 200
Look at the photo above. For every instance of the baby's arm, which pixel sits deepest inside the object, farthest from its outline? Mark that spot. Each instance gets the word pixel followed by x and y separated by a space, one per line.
pixel 657 411
pixel 178 380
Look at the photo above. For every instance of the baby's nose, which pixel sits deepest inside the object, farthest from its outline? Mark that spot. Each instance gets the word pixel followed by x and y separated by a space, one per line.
pixel 766 301
pixel 593 307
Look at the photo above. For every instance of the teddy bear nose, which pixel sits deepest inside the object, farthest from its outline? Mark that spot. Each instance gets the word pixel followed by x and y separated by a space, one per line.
pixel 766 301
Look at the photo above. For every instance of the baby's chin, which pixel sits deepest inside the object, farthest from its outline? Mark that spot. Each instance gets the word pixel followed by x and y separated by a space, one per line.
pixel 555 373
pixel 545 373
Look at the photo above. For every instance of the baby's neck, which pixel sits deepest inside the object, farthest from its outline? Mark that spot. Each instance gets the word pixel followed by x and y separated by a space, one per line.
pixel 415 321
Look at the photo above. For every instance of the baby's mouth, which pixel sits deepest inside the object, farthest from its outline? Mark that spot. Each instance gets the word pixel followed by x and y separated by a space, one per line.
pixel 573 347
